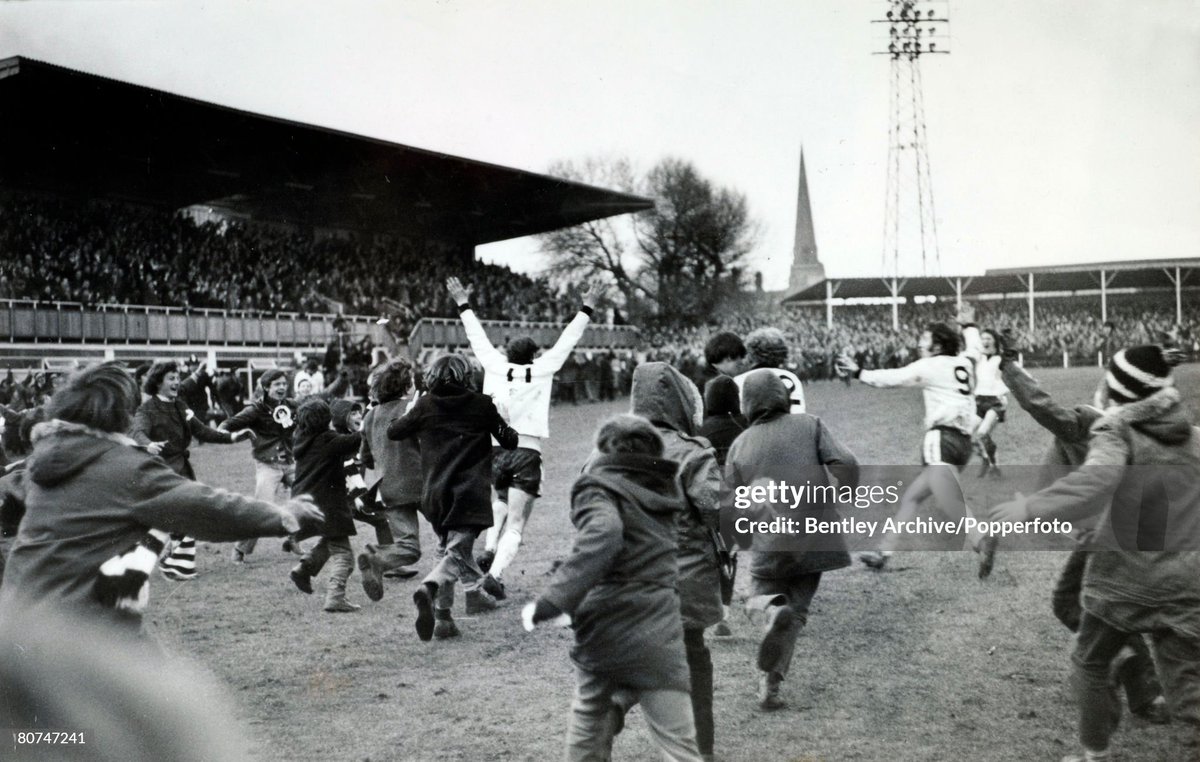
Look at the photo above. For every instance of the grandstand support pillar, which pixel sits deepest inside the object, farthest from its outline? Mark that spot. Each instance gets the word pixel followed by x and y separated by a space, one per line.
pixel 895 288
pixel 1029 284
pixel 831 288
pixel 1103 296
pixel 1177 279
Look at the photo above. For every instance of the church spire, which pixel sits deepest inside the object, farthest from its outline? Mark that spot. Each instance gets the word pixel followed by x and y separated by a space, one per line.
pixel 806 267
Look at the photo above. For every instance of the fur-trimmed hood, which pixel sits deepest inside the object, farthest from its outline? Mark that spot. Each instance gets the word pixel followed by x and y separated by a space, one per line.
pixel 1161 416
pixel 62 449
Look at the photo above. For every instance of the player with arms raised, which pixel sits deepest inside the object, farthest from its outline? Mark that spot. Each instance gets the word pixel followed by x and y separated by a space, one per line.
pixel 947 379
pixel 520 382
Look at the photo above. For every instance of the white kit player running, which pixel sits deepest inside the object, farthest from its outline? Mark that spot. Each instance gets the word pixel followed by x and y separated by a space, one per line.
pixel 767 348
pixel 947 379
pixel 991 399
pixel 521 383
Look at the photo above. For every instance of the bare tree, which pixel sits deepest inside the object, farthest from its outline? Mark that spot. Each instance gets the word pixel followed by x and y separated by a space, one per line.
pixel 694 241
pixel 679 260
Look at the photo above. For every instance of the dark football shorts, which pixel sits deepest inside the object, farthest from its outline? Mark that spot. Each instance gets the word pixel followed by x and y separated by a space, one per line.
pixel 946 445
pixel 520 468
pixel 986 403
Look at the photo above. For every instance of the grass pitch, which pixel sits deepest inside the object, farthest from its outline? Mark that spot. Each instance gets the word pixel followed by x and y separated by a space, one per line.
pixel 923 662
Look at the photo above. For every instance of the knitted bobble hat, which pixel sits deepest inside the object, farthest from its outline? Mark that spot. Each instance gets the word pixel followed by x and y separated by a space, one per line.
pixel 1136 373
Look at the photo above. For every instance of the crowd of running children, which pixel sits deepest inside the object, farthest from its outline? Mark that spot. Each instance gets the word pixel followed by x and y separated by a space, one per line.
pixel 108 491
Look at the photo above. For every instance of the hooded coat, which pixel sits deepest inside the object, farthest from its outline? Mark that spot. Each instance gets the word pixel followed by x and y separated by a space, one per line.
pixel 91 495
pixel 796 448
pixel 454 427
pixel 1145 456
pixel 666 398
pixel 619 582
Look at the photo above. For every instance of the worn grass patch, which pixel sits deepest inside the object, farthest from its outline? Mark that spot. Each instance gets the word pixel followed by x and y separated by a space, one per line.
pixel 921 663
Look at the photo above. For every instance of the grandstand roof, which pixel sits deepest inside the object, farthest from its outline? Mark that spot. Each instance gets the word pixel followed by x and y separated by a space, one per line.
pixel 69 132
pixel 1142 274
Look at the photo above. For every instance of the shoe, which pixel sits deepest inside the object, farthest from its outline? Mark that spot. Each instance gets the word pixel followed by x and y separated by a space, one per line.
pixel 480 602
pixel 443 625
pixel 768 692
pixel 1088 756
pixel 616 719
pixel 721 630
pixel 777 638
pixel 301 580
pixel 176 574
pixel 874 559
pixel 372 578
pixel 237 556
pixel 494 587
pixel 987 555
pixel 402 573
pixel 339 605
pixel 423 598
pixel 484 560
pixel 1154 713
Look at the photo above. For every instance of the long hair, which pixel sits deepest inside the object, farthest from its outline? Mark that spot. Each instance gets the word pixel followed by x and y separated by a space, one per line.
pixel 945 336
pixel 391 380
pixel 103 397
pixel 448 369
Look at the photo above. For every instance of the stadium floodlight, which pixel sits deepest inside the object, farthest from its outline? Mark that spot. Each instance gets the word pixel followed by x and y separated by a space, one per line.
pixel 914 28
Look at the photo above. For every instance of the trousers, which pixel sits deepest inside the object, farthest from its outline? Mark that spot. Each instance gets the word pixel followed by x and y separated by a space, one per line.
pixel 590 734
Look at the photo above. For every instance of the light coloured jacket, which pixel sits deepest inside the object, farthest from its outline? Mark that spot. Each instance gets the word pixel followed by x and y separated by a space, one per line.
pixel 1146 573
pixel 523 390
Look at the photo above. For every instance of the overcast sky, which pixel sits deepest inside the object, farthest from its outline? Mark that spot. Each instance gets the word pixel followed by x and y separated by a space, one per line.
pixel 1059 130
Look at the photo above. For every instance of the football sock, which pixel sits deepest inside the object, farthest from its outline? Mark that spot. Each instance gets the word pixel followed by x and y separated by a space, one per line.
pixel 499 513
pixel 506 551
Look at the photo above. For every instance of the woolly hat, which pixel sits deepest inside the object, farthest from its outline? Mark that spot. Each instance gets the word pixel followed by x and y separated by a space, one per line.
pixel 1136 373
pixel 766 348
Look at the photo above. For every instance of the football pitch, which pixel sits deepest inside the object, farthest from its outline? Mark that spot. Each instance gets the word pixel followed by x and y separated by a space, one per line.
pixel 921 662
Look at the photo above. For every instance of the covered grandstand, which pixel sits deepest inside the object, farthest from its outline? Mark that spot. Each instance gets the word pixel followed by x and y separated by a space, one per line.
pixel 1176 277
pixel 77 136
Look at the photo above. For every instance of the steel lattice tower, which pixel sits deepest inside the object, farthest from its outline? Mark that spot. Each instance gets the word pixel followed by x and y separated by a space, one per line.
pixel 914 29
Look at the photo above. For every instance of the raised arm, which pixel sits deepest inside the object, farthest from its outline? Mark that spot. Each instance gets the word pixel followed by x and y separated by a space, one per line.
pixel 492 359
pixel 1064 423
pixel 553 359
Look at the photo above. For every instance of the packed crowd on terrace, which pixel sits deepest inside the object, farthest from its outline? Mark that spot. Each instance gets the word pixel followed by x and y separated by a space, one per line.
pixel 107 253
pixel 1063 324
